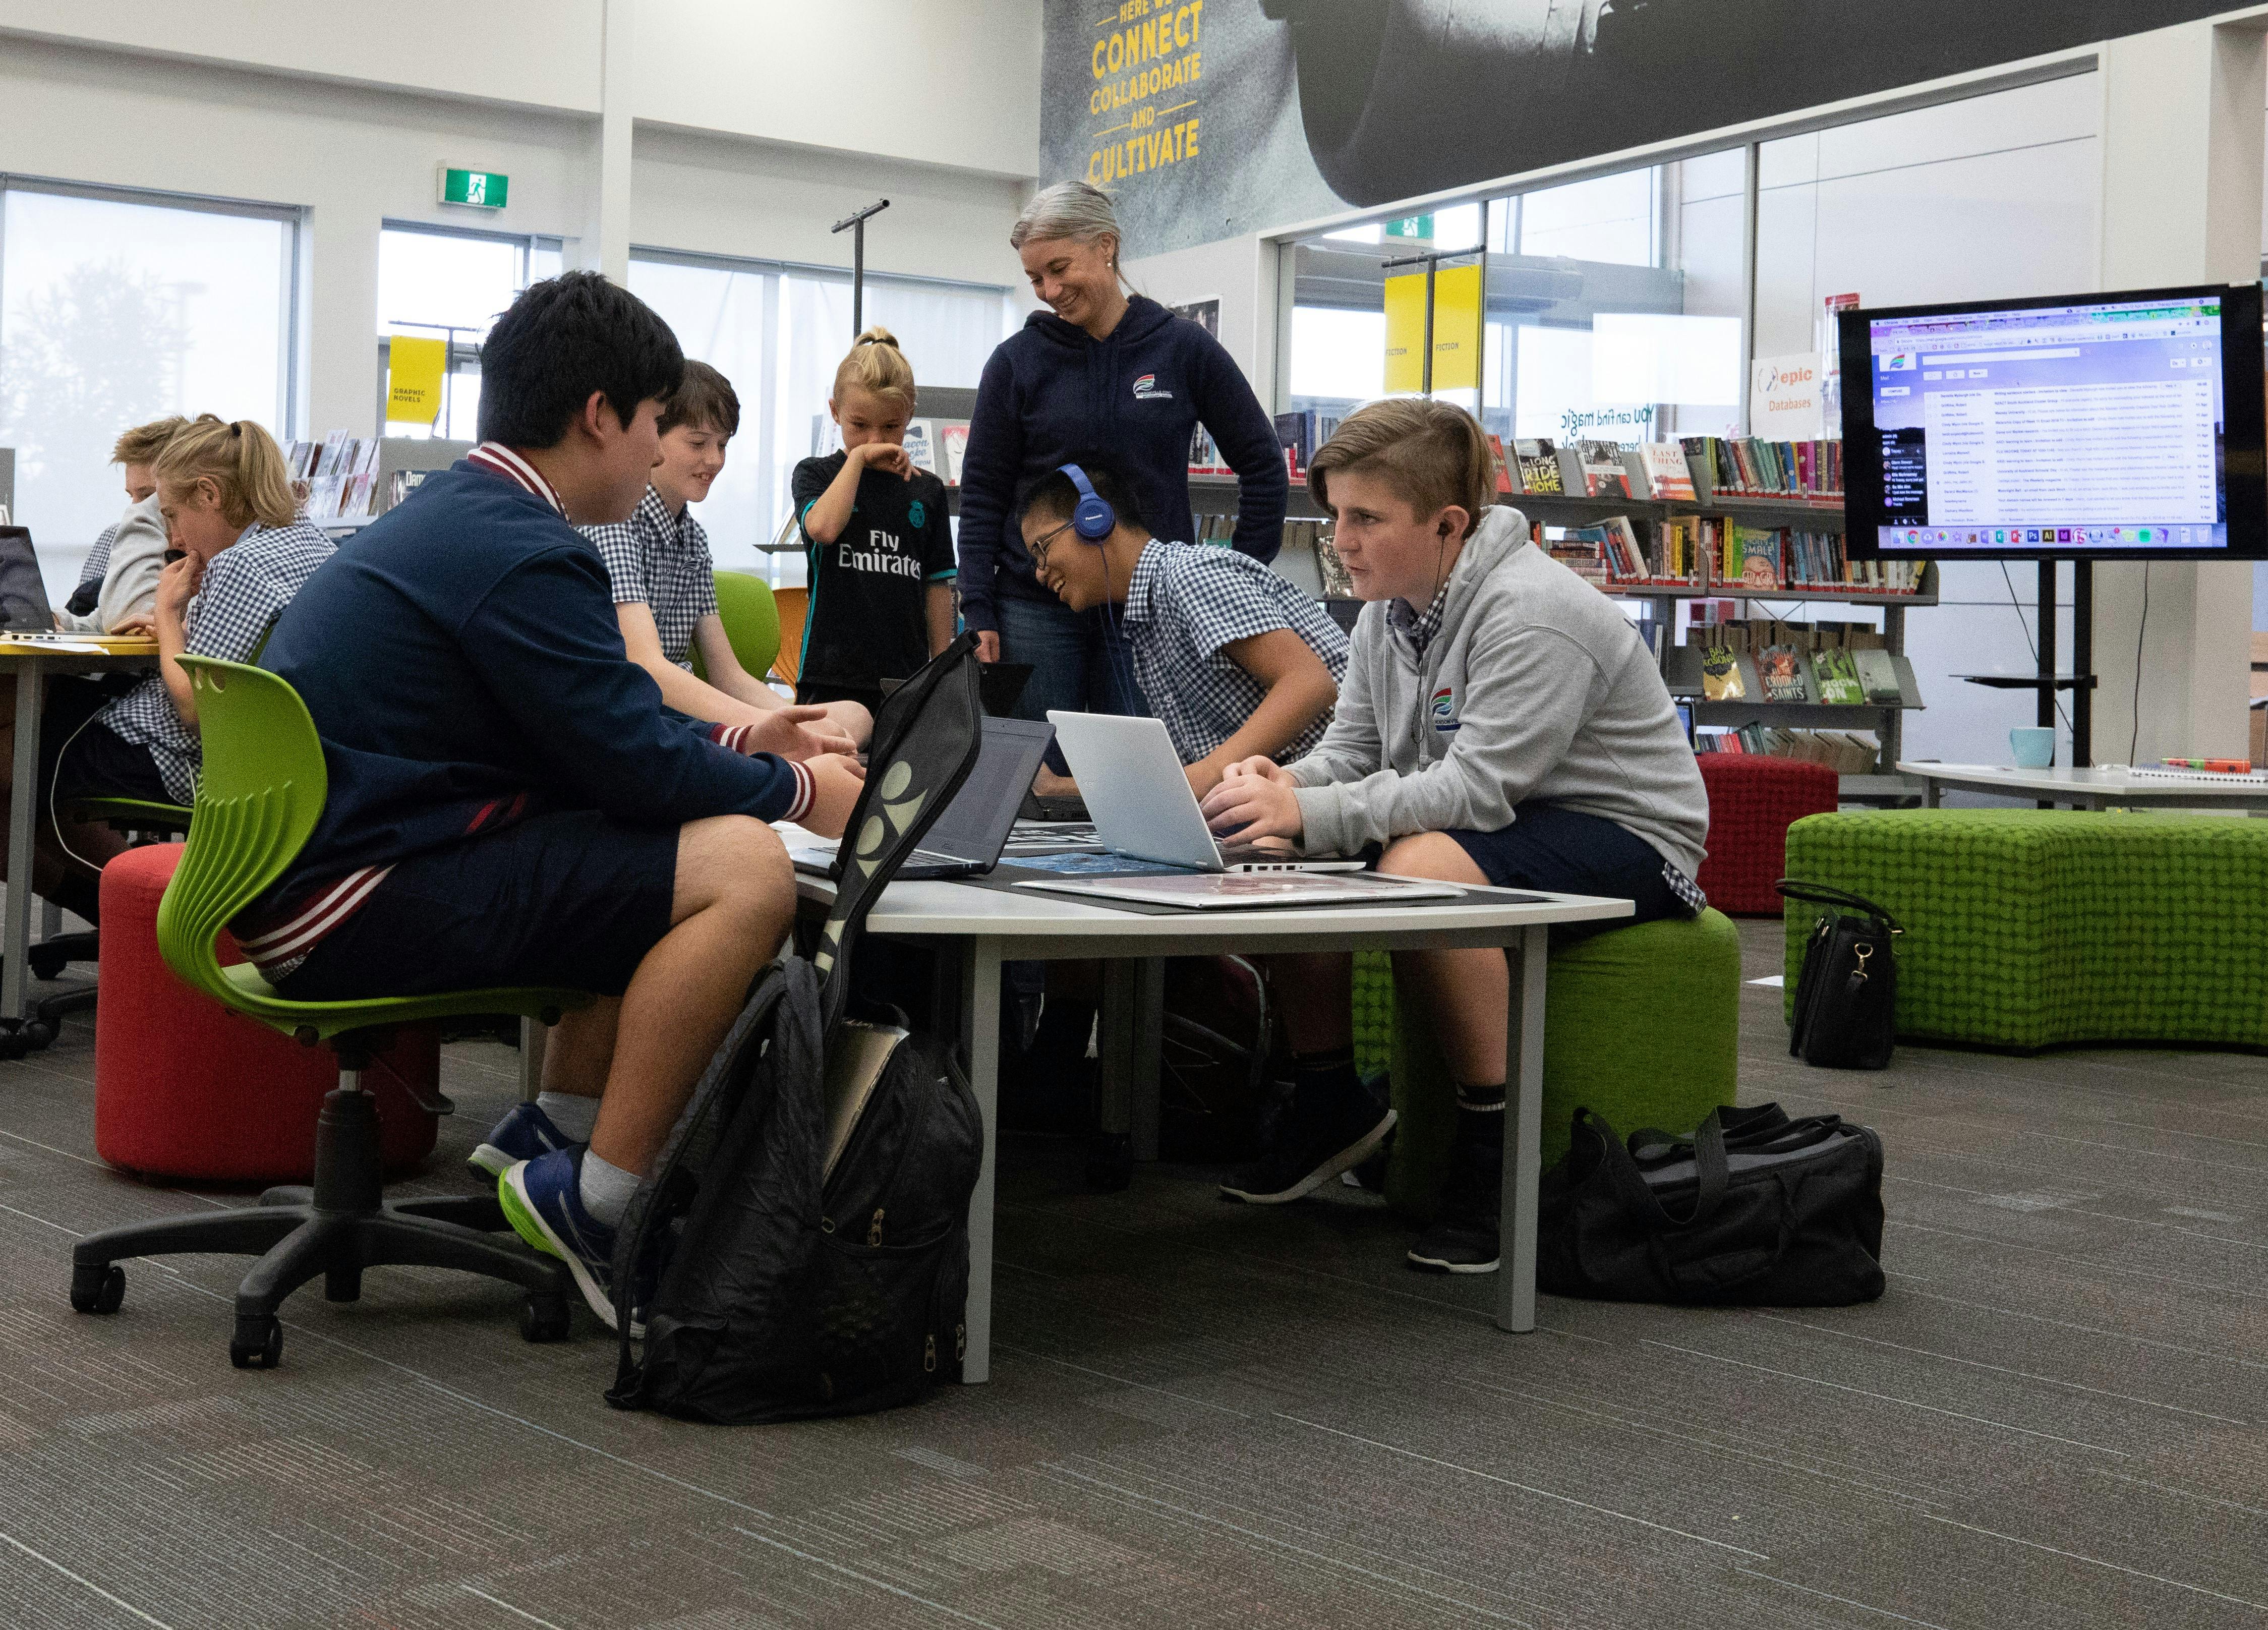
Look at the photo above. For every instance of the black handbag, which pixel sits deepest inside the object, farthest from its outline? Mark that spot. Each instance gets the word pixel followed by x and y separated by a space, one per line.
pixel 1754 1209
pixel 1846 993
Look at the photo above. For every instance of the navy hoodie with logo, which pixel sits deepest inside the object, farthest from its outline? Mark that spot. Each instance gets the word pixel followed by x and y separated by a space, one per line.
pixel 1052 392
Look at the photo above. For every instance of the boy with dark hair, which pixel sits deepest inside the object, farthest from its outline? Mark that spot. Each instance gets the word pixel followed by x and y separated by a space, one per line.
pixel 665 583
pixel 1235 662
pixel 510 801
pixel 1502 723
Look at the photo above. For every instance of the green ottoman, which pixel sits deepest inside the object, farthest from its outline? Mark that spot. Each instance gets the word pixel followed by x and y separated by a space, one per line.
pixel 1641 1024
pixel 2032 928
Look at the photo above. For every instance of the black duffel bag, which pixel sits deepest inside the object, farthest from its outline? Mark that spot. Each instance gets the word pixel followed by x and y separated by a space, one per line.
pixel 1754 1209
pixel 1846 992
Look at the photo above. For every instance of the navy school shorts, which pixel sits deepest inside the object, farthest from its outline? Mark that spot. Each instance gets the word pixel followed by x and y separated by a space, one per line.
pixel 1566 851
pixel 572 899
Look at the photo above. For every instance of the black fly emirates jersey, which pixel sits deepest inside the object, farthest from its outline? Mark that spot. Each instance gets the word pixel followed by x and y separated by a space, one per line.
pixel 869 586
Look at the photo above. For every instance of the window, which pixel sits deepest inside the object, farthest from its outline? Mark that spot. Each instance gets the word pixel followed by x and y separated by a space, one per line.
pixel 1610 309
pixel 117 308
pixel 777 333
pixel 435 283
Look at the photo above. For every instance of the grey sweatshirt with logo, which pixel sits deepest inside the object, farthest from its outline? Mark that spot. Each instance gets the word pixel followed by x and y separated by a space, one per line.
pixel 1535 687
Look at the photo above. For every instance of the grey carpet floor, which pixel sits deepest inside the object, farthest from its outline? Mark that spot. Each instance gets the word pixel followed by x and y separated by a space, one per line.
pixel 1202 1415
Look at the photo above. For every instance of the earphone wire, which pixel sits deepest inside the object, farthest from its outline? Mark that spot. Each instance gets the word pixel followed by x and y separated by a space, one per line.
pixel 54 782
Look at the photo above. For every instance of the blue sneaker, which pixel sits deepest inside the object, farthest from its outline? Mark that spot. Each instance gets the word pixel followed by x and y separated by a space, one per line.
pixel 524 1133
pixel 542 1200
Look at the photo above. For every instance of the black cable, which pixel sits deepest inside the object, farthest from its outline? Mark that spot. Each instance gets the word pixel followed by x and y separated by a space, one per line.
pixel 2135 740
pixel 2018 607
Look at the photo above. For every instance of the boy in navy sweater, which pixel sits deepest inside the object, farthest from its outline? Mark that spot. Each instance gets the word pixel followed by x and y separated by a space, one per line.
pixel 510 801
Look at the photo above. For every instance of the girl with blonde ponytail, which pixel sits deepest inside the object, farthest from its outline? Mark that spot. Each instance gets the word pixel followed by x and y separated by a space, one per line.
pixel 875 532
pixel 225 494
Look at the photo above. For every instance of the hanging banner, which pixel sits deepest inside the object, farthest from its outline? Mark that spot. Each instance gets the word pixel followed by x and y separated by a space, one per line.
pixel 1405 334
pixel 414 368
pixel 1457 327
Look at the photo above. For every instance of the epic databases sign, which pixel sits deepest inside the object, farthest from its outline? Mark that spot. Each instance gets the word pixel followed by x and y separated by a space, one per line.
pixel 1206 119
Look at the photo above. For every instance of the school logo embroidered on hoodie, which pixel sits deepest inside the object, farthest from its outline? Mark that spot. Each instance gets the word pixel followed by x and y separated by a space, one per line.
pixel 1145 389
pixel 1445 711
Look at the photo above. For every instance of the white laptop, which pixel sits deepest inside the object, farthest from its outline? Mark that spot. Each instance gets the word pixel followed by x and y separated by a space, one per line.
pixel 1141 803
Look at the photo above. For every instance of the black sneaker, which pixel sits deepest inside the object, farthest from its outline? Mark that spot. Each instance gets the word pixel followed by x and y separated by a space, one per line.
pixel 1332 1127
pixel 1463 1238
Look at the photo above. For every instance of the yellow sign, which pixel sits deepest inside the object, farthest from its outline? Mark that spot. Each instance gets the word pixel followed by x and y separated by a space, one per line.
pixel 413 394
pixel 1405 334
pixel 1457 327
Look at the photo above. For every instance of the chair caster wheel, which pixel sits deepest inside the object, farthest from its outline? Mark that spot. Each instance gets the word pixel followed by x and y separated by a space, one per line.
pixel 545 1319
pixel 35 1035
pixel 258 1343
pixel 97 1286
pixel 46 964
pixel 1109 1163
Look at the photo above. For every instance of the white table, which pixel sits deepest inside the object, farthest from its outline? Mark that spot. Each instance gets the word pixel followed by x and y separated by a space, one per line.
pixel 2088 789
pixel 986 927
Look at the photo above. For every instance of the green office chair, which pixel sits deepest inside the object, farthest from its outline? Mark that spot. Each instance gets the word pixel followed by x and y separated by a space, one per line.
pixel 751 618
pixel 261 794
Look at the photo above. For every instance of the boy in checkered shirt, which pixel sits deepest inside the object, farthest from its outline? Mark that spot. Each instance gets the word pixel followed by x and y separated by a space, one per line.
pixel 664 581
pixel 1235 662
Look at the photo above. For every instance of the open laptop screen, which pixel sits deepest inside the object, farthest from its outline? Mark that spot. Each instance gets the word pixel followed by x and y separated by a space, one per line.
pixel 977 823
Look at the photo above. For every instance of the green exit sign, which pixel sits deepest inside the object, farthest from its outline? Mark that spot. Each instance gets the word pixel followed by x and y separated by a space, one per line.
pixel 1411 226
pixel 483 190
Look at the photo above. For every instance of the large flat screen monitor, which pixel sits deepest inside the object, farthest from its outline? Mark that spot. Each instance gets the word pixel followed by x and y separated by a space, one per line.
pixel 2103 426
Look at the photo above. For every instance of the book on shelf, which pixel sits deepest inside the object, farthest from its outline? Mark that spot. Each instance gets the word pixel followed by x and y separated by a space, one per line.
pixel 1838 673
pixel 1662 465
pixel 1331 570
pixel 1755 552
pixel 921 444
pixel 953 448
pixel 1295 434
pixel 1753 467
pixel 1205 457
pixel 1780 668
pixel 1535 466
pixel 1720 675
pixel 1504 480
pixel 1605 475
pixel 1878 676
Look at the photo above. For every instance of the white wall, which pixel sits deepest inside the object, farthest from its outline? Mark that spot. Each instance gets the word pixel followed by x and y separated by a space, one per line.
pixel 938 84
pixel 1240 274
pixel 531 53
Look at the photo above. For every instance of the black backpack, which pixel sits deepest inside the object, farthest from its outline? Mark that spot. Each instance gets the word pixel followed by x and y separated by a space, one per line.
pixel 1754 1209
pixel 801 1247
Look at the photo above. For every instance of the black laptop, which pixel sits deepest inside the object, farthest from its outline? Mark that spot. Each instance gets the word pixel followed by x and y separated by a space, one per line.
pixel 968 838
pixel 24 606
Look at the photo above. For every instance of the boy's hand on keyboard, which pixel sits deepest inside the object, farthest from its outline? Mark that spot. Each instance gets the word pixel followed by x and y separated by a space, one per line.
pixel 1256 799
pixel 836 779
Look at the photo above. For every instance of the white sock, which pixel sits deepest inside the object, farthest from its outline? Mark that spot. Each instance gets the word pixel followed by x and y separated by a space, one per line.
pixel 570 1112
pixel 606 1189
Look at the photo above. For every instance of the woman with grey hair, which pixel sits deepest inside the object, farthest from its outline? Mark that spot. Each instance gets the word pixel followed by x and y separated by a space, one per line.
pixel 1102 368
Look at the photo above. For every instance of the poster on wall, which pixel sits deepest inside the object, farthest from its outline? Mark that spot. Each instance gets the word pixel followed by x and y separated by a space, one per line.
pixel 1207 119
pixel 1787 398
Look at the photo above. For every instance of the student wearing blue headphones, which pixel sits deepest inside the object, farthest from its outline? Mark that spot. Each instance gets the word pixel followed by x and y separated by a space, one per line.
pixel 1235 662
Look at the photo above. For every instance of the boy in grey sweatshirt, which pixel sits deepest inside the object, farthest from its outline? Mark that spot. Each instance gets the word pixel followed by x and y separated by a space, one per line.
pixel 1501 722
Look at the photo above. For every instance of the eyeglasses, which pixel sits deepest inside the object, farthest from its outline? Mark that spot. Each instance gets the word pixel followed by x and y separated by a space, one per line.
pixel 1038 546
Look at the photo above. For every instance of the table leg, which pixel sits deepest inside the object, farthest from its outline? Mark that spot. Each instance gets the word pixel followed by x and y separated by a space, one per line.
pixel 980 1034
pixel 1929 792
pixel 1144 1061
pixel 1131 1041
pixel 23 811
pixel 534 1039
pixel 1523 1130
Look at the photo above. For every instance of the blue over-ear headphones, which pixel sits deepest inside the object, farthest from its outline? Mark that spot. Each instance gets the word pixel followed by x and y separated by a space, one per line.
pixel 1092 518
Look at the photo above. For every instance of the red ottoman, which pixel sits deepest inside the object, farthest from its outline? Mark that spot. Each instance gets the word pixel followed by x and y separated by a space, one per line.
pixel 1752 801
pixel 185 1088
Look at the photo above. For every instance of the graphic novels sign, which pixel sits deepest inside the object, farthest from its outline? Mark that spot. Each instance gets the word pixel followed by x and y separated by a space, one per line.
pixel 1206 119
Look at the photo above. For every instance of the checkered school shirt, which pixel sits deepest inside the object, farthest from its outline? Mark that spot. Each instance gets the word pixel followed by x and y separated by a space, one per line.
pixel 244 588
pixel 98 558
pixel 662 561
pixel 1183 605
